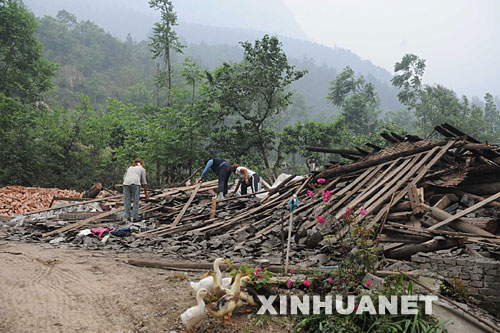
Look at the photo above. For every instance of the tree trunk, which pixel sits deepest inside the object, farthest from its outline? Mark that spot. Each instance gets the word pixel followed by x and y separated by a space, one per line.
pixel 169 74
pixel 266 162
pixel 157 87
pixel 93 191
pixel 278 160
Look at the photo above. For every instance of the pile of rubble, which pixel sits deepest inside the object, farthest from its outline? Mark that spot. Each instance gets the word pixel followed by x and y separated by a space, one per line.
pixel 417 195
pixel 20 199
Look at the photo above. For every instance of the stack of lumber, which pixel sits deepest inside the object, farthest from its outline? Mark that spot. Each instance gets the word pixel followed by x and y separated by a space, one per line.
pixel 20 199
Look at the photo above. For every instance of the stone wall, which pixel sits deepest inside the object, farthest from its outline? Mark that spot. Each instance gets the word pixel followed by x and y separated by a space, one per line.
pixel 480 276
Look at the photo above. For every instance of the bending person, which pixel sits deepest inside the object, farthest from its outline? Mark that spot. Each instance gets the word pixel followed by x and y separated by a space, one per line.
pixel 132 181
pixel 246 177
pixel 222 169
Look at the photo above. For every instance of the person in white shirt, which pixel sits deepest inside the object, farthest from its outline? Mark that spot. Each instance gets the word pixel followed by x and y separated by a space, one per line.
pixel 132 181
pixel 246 177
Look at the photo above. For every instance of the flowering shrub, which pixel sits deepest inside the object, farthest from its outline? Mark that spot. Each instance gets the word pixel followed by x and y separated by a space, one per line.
pixel 359 257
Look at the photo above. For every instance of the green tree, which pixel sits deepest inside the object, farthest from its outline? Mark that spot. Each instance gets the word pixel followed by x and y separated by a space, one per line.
pixel 163 41
pixel 357 99
pixel 491 117
pixel 24 72
pixel 408 79
pixel 253 92
pixel 192 74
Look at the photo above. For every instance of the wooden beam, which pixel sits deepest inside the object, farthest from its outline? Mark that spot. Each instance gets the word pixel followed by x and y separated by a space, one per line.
pixel 465 212
pixel 82 223
pixel 71 205
pixel 186 206
pixel 276 189
pixel 380 181
pixel 333 150
pixel 438 243
pixel 416 179
pixel 375 161
pixel 214 207
pixel 446 200
pixel 415 200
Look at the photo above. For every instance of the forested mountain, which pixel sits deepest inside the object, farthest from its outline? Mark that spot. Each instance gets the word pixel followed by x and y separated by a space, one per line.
pixel 122 17
pixel 210 46
pixel 95 63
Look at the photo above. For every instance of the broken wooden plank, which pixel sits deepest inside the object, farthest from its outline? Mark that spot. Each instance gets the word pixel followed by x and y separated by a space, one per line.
pixel 82 223
pixel 415 200
pixel 375 161
pixel 438 243
pixel 465 212
pixel 214 207
pixel 333 150
pixel 445 201
pixel 71 205
pixel 186 206
pixel 416 179
pixel 377 183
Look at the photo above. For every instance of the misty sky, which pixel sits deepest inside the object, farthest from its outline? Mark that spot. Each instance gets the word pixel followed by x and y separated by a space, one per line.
pixel 460 39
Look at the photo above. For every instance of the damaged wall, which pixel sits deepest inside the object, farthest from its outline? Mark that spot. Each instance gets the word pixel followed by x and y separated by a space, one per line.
pixel 481 276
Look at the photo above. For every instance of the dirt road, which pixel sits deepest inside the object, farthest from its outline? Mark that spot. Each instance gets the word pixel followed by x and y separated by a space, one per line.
pixel 63 290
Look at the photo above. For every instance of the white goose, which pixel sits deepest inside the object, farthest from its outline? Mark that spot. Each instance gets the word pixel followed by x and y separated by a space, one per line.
pixel 194 315
pixel 208 282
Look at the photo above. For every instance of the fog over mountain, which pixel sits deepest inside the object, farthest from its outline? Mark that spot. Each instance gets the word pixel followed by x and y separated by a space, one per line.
pixel 121 17
pixel 226 23
pixel 382 31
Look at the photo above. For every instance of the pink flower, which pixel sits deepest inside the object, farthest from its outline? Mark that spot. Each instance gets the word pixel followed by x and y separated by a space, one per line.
pixel 289 284
pixel 321 219
pixel 261 276
pixel 292 271
pixel 330 279
pixel 255 273
pixel 321 180
pixel 368 284
pixel 348 212
pixel 307 283
pixel 362 212
pixel 310 193
pixel 326 195
pixel 355 307
pixel 258 269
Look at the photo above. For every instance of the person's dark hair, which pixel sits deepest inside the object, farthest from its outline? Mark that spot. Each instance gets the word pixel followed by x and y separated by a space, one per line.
pixel 206 160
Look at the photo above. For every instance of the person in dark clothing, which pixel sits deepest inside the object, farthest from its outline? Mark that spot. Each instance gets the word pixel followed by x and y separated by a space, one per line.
pixel 222 169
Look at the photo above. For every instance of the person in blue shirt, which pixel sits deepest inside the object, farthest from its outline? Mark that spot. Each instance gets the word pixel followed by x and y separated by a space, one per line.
pixel 222 169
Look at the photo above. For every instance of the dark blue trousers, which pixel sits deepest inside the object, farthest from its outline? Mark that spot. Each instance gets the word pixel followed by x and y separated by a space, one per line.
pixel 224 173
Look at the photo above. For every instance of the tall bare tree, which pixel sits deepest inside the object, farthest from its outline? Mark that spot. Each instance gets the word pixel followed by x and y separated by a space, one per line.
pixel 164 41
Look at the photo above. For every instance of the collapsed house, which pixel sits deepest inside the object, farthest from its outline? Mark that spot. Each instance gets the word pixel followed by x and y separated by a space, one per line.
pixel 432 202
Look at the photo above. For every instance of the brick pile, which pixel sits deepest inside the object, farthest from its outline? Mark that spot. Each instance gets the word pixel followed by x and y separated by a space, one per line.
pixel 20 199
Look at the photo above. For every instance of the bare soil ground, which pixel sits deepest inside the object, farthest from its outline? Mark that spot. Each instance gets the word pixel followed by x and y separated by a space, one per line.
pixel 62 290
